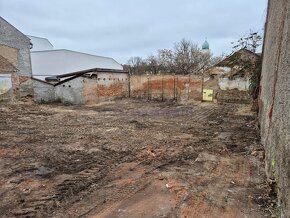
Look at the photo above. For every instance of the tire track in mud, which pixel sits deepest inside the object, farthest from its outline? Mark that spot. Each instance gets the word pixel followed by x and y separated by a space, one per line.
pixel 81 177
pixel 82 182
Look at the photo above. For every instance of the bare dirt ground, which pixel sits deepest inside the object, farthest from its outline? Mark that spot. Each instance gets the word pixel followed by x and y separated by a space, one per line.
pixel 131 159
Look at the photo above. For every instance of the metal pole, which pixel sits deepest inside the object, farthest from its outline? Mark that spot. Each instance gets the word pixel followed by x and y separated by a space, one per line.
pixel 176 87
pixel 188 86
pixel 202 85
pixel 129 84
pixel 162 97
pixel 173 87
pixel 148 88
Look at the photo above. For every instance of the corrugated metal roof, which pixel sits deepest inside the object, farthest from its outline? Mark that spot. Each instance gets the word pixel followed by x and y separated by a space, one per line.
pixel 57 62
pixel 40 44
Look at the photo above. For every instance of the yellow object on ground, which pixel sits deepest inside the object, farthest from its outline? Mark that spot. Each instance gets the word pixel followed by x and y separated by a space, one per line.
pixel 207 95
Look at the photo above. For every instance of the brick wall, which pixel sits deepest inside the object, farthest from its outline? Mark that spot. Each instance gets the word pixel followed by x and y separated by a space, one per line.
pixel 110 86
pixel 84 90
pixel 166 87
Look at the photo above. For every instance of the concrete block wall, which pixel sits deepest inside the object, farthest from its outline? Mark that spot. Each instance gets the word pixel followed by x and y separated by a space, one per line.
pixel 44 92
pixel 70 92
pixel 84 90
pixel 274 99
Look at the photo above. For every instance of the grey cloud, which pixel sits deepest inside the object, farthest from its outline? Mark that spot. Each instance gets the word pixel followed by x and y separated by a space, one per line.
pixel 124 28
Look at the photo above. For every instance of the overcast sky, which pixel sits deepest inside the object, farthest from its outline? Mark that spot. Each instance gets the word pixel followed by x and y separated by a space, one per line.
pixel 125 28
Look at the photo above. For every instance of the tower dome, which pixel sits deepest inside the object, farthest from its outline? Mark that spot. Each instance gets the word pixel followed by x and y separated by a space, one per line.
pixel 205 45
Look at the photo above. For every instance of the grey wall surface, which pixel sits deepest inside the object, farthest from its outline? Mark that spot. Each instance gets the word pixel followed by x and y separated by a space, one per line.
pixel 83 90
pixel 13 38
pixel 275 99
pixel 70 92
pixel 43 92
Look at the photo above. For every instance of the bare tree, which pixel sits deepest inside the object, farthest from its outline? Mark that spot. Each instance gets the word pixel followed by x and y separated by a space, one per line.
pixel 189 58
pixel 166 60
pixel 152 64
pixel 217 59
pixel 250 41
pixel 184 58
pixel 203 60
pixel 136 65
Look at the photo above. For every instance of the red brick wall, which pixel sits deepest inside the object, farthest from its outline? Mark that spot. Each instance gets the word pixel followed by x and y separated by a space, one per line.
pixel 106 86
pixel 166 87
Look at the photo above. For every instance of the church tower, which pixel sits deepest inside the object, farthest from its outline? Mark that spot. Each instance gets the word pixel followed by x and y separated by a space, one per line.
pixel 205 47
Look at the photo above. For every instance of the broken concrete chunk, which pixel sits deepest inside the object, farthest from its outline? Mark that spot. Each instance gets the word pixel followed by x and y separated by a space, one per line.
pixel 206 157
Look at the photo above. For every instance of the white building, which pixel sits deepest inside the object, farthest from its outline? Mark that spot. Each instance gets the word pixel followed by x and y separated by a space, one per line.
pixel 56 62
pixel 74 77
pixel 39 43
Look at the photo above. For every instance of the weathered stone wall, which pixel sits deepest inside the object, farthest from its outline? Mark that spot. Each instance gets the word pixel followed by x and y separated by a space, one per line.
pixel 84 90
pixel 11 39
pixel 233 96
pixel 166 87
pixel 230 79
pixel 43 92
pixel 227 90
pixel 240 83
pixel 275 99
pixel 70 92
pixel 110 86
pixel 11 54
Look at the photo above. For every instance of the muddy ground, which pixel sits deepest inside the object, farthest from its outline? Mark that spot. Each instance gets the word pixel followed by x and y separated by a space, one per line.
pixel 131 159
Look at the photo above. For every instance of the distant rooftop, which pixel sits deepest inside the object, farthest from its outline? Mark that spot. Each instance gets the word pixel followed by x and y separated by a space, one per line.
pixel 40 44
pixel 63 61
